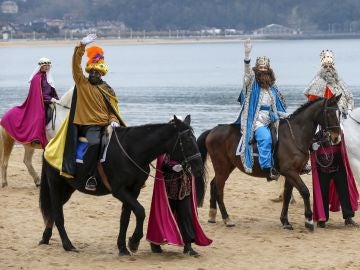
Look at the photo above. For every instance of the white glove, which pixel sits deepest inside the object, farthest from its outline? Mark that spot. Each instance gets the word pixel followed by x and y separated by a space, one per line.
pixel 88 39
pixel 114 124
pixel 54 100
pixel 177 168
pixel 247 48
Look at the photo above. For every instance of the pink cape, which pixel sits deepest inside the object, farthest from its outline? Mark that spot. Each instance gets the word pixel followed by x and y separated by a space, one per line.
pixel 162 226
pixel 26 123
pixel 318 208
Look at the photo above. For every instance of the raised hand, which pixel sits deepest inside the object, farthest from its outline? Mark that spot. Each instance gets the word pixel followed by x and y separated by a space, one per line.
pixel 88 39
pixel 247 48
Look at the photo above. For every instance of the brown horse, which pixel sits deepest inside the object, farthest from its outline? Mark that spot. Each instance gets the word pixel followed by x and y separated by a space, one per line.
pixel 295 136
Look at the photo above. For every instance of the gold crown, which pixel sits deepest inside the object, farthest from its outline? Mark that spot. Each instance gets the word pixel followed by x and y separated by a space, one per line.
pixel 100 67
pixel 327 57
pixel 263 61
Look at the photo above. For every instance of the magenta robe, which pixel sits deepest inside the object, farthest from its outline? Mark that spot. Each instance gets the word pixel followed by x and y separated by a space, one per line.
pixel 318 208
pixel 162 226
pixel 26 123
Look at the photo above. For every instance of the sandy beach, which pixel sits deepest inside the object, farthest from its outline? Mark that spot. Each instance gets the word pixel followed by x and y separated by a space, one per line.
pixel 256 242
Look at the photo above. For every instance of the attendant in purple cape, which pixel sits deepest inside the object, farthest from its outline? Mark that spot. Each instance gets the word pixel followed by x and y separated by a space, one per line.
pixel 173 215
pixel 26 123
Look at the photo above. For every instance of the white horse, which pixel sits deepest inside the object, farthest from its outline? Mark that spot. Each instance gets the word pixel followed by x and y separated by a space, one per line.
pixel 7 142
pixel 351 130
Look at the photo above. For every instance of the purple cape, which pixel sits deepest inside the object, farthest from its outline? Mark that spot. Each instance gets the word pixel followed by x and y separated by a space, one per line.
pixel 162 226
pixel 26 123
pixel 318 208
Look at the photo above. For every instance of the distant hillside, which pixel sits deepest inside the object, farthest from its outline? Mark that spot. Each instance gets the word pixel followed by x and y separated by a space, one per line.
pixel 307 15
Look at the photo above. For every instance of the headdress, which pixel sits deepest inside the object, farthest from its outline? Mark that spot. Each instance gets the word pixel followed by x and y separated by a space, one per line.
pixel 263 61
pixel 327 58
pixel 96 60
pixel 42 62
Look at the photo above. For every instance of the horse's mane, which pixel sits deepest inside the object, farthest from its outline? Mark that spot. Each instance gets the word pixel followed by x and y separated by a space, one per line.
pixel 304 106
pixel 149 126
pixel 66 98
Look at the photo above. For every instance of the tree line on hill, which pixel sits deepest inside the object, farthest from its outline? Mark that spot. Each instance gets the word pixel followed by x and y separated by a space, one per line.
pixel 247 15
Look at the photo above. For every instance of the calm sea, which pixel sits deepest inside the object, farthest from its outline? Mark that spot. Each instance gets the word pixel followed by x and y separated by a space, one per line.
pixel 154 82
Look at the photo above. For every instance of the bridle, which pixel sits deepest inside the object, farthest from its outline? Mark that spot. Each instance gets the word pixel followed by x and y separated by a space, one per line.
pixel 326 108
pixel 186 161
pixel 330 157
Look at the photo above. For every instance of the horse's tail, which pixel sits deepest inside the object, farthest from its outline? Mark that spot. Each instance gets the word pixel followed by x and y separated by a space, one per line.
pixel 45 200
pixel 1 143
pixel 201 181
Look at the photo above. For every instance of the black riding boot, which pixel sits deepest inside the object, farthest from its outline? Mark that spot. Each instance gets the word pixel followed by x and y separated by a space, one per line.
pixel 155 248
pixel 89 167
pixel 189 250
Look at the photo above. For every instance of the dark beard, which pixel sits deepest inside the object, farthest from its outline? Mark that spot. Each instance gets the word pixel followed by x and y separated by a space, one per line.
pixel 95 81
pixel 265 78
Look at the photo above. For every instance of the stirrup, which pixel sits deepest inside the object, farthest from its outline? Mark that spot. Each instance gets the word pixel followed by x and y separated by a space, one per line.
pixel 273 174
pixel 91 184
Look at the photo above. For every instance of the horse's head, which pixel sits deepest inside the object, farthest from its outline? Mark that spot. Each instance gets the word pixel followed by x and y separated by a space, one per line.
pixel 331 118
pixel 186 150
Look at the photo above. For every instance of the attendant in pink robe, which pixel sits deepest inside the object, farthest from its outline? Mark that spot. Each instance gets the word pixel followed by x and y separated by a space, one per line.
pixel 173 215
pixel 26 123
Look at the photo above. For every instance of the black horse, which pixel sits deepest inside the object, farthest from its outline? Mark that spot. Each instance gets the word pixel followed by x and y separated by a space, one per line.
pixel 295 136
pixel 130 152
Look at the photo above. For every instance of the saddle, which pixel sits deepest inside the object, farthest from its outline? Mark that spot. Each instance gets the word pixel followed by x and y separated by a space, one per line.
pixel 82 146
pixel 83 151
pixel 274 138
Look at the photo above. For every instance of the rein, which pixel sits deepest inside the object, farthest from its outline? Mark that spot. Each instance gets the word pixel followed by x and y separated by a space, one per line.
pixel 53 120
pixel 187 159
pixel 293 137
pixel 352 118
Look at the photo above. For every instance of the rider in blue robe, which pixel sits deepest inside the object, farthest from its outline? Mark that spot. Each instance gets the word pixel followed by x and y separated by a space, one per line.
pixel 261 104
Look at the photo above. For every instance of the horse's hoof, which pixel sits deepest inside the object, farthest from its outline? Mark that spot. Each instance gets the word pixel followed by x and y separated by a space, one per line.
pixel 228 222
pixel 309 225
pixel 212 215
pixel 133 246
pixel 124 252
pixel 70 247
pixel 43 242
pixel 4 185
pixel 288 226
pixel 278 199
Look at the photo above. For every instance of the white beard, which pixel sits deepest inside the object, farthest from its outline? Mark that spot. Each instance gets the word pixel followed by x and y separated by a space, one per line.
pixel 329 75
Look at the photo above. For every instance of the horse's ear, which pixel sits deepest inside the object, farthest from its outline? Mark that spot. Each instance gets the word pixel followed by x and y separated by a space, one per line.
pixel 338 98
pixel 187 120
pixel 334 100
